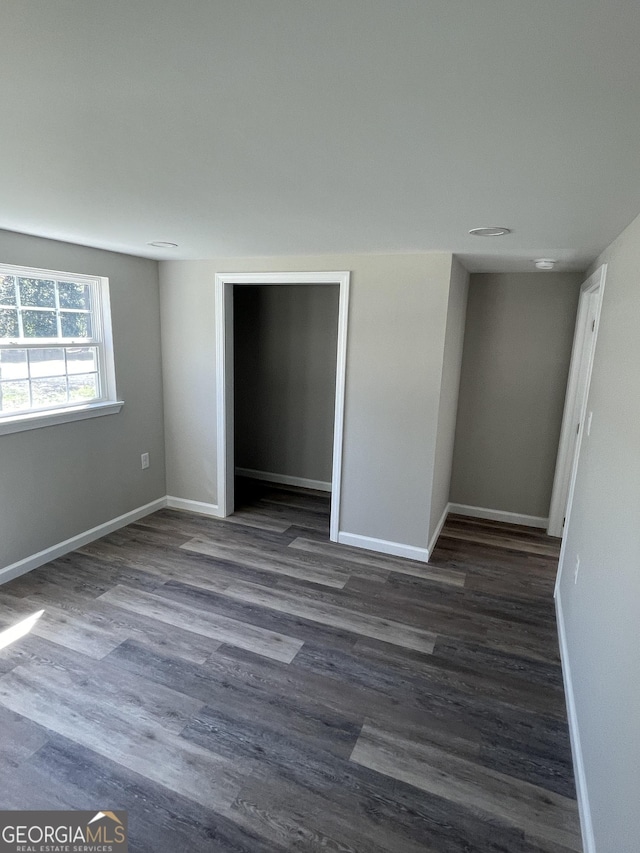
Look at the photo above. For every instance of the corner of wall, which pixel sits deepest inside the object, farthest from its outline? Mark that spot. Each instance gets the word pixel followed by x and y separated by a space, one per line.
pixel 448 396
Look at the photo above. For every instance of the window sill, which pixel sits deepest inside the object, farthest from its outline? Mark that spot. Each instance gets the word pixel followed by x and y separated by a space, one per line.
pixel 35 420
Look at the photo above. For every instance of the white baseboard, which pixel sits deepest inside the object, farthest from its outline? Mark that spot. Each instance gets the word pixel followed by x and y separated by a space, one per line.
pixel 284 479
pixel 383 546
pixel 499 515
pixel 586 824
pixel 438 530
pixel 62 548
pixel 200 507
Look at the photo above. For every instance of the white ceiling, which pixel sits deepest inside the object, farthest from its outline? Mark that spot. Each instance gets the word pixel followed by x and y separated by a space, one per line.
pixel 268 127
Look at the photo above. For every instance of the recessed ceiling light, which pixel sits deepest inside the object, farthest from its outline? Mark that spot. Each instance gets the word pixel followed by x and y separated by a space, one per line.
pixel 163 244
pixel 490 231
pixel 545 263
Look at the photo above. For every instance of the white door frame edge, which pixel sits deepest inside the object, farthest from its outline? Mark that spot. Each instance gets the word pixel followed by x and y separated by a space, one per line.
pixel 224 283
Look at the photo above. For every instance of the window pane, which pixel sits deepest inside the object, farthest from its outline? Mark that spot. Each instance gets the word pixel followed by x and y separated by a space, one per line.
pixel 74 295
pixel 14 396
pixel 8 323
pixel 47 362
pixel 82 389
pixel 39 324
pixel 38 292
pixel 7 290
pixel 13 364
pixel 75 325
pixel 82 359
pixel 48 392
pixel 53 350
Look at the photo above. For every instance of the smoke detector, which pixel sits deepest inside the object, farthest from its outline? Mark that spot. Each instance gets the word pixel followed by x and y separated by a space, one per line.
pixel 545 263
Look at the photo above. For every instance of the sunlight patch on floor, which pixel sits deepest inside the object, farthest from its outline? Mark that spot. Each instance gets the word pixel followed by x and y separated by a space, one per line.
pixel 10 635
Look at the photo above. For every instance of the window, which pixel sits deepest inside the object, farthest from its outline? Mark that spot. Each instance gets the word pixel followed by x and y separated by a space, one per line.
pixel 56 356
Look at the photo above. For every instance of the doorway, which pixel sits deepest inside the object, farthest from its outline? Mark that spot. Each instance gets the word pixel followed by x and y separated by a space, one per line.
pixel 573 421
pixel 226 462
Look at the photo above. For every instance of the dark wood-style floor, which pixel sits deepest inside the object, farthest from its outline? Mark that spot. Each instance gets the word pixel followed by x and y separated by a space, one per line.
pixel 245 685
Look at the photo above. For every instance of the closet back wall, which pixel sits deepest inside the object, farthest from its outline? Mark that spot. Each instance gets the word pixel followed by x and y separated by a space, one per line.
pixel 285 342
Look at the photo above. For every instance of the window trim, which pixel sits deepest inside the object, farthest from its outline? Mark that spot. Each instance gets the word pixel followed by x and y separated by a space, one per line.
pixel 51 417
pixel 108 403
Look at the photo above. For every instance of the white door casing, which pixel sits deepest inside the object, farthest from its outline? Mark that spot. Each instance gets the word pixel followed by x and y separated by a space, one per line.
pixel 224 283
pixel 573 421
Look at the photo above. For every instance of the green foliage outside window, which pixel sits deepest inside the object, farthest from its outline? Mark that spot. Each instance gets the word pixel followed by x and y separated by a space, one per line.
pixel 46 309
pixel 36 377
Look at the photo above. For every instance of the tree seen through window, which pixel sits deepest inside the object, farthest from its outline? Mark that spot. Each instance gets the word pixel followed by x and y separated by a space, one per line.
pixel 37 310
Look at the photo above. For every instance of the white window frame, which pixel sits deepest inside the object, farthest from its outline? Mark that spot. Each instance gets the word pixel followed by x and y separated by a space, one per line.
pixel 102 339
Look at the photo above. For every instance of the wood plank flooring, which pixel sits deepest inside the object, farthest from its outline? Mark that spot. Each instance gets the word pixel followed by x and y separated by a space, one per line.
pixel 246 685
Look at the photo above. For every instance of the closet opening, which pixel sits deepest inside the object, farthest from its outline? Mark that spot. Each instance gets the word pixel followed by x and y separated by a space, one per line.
pixel 281 358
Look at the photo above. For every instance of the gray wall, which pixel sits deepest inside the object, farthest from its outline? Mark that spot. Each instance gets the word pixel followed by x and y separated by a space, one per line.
pixel 449 393
pixel 59 481
pixel 285 339
pixel 601 612
pixel 517 349
pixel 395 351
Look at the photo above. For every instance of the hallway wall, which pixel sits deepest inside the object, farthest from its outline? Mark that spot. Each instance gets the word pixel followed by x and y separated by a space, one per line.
pixel 517 349
pixel 601 611
pixel 449 393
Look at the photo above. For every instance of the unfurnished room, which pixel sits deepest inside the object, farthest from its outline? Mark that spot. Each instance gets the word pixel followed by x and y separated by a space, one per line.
pixel 319 445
